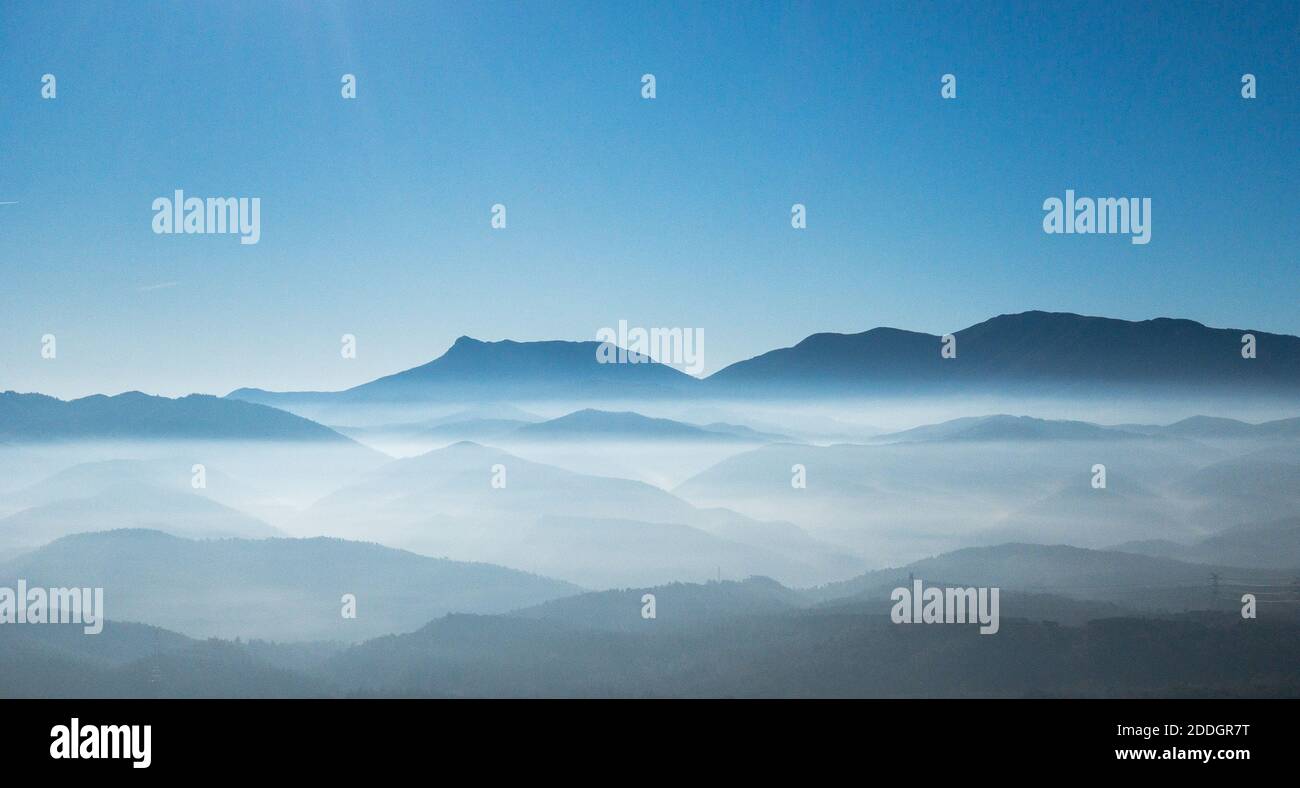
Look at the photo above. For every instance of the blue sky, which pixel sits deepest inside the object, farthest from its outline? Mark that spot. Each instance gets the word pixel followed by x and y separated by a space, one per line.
pixel 922 213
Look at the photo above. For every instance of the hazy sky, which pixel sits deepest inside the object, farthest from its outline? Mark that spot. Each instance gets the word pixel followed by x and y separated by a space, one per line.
pixel 922 213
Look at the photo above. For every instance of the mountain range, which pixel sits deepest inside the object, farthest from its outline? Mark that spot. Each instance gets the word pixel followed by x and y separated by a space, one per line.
pixel 28 418
pixel 130 506
pixel 1274 544
pixel 591 424
pixel 1030 352
pixel 1073 622
pixel 283 589
pixel 597 531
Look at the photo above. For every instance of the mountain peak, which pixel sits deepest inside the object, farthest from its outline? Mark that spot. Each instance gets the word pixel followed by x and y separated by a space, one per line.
pixel 1027 352
pixel 474 370
pixel 1033 352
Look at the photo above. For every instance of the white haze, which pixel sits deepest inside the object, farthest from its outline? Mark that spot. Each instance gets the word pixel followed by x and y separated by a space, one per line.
pixel 620 511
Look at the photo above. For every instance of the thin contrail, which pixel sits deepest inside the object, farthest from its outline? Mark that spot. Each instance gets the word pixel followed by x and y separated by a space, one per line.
pixel 159 286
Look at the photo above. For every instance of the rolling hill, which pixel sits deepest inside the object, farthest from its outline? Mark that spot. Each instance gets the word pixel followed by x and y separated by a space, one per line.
pixel 592 530
pixel 275 589
pixel 34 418
pixel 590 424
pixel 186 514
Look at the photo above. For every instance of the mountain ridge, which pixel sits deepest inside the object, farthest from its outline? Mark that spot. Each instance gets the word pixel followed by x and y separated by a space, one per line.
pixel 135 415
pixel 1026 351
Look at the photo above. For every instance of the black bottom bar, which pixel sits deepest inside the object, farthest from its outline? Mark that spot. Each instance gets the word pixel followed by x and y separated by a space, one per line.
pixel 331 737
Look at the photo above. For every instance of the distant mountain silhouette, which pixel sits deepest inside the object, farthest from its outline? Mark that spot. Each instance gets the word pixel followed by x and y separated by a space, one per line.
pixel 754 638
pixel 1046 352
pixel 477 430
pixel 1028 352
pixel 136 416
pixel 742 431
pixel 757 638
pixel 683 604
pixel 129 660
pixel 1215 427
pixel 1212 427
pixel 895 499
pixel 592 424
pixel 1076 514
pixel 601 647
pixel 475 371
pixel 1271 545
pixel 473 430
pixel 187 514
pixel 495 411
pixel 87 479
pixel 1274 544
pixel 1001 427
pixel 596 531
pixel 1259 486
pixel 1134 580
pixel 282 589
